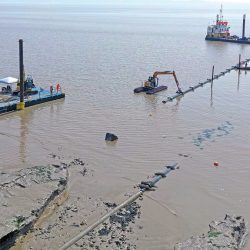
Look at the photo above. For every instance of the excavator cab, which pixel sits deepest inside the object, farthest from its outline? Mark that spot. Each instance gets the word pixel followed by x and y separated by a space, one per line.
pixel 151 83
pixel 28 83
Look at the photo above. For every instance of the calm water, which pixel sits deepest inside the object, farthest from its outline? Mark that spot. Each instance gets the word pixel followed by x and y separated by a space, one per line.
pixel 99 54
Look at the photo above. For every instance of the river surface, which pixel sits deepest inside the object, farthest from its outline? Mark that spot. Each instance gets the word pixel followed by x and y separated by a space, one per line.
pixel 99 54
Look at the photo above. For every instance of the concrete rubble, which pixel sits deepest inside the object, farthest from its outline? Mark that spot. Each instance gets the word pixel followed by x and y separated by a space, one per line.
pixel 114 233
pixel 229 233
pixel 24 195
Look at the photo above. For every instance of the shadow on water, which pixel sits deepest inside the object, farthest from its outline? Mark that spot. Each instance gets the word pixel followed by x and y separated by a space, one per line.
pixel 238 84
pixel 26 117
pixel 177 104
pixel 151 102
pixel 211 95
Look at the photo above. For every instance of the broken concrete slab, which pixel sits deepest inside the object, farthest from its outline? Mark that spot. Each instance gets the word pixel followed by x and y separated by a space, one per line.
pixel 24 195
pixel 229 233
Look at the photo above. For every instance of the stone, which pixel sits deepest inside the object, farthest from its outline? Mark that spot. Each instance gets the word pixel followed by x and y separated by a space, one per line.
pixel 228 234
pixel 110 204
pixel 110 137
pixel 103 231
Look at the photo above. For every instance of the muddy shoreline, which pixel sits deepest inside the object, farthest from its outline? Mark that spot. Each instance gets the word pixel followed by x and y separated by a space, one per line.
pixel 19 219
pixel 43 224
pixel 55 220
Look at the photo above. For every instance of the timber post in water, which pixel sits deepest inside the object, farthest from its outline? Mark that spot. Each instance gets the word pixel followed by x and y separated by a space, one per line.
pixel 212 75
pixel 239 61
pixel 212 82
pixel 244 26
pixel 21 104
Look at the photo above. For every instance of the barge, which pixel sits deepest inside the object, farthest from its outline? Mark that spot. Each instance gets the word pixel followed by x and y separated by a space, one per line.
pixel 26 93
pixel 150 91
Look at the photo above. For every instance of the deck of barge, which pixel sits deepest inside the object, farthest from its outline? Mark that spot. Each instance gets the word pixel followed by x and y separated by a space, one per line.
pixel 10 104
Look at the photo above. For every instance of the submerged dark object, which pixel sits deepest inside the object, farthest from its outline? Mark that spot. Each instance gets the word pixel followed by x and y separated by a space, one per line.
pixel 150 91
pixel 110 137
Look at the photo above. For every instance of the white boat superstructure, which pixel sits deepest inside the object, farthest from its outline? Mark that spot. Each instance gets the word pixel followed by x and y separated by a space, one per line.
pixel 220 29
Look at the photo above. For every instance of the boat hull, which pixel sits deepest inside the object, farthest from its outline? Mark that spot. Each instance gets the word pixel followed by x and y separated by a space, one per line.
pixel 241 41
pixel 150 91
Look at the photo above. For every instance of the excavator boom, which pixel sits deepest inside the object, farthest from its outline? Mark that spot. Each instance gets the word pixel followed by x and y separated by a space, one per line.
pixel 162 73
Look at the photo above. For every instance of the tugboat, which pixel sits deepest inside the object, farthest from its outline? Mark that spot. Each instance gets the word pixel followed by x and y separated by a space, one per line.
pixel 220 31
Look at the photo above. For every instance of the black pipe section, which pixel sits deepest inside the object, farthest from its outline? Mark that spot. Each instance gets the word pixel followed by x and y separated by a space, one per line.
pixel 244 26
pixel 171 98
pixel 21 70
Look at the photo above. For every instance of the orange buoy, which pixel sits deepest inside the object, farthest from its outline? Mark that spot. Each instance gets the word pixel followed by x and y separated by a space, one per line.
pixel 216 164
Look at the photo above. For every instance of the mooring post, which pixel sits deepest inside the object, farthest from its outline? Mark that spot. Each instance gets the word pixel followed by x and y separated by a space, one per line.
pixel 239 60
pixel 211 98
pixel 238 85
pixel 21 104
pixel 212 74
pixel 244 26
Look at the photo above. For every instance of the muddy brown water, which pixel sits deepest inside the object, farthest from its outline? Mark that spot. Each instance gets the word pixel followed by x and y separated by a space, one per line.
pixel 99 55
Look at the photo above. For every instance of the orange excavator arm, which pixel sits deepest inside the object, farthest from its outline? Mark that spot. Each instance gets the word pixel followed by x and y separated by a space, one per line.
pixel 169 73
pixel 162 73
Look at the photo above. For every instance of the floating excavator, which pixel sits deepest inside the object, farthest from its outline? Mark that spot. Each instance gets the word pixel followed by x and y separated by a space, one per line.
pixel 151 85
